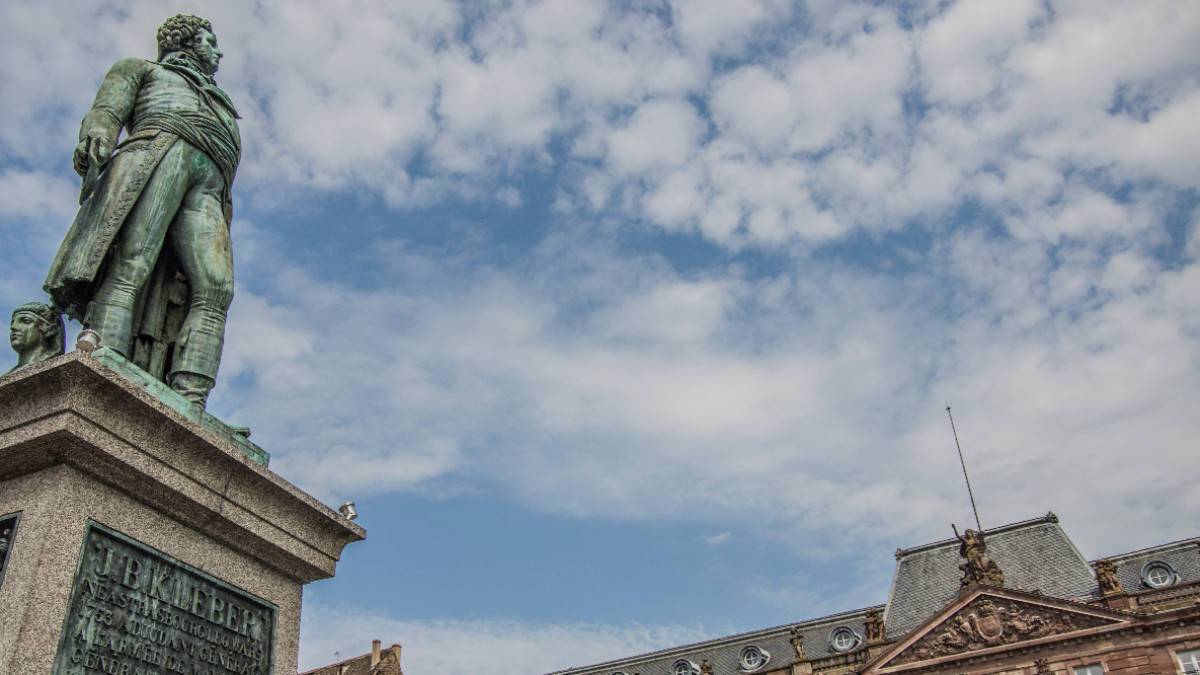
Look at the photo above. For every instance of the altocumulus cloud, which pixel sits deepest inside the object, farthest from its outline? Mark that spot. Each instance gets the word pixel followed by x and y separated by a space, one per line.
pixel 991 205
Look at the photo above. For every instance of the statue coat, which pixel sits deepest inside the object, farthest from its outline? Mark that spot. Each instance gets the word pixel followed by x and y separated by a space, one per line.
pixel 159 104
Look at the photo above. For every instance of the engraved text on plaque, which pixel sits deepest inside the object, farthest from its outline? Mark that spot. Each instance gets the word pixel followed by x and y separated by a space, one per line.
pixel 135 611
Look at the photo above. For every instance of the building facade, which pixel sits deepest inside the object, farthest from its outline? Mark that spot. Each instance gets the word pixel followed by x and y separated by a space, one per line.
pixel 378 661
pixel 1019 599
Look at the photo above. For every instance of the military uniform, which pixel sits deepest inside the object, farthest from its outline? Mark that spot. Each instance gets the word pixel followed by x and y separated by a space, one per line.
pixel 159 215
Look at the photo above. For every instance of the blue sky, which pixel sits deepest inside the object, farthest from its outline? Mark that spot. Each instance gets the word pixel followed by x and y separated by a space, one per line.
pixel 628 324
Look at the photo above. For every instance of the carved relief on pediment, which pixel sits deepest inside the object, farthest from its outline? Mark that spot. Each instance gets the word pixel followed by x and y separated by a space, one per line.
pixel 991 621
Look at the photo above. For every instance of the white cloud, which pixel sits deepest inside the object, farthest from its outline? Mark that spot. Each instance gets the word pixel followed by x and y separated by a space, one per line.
pixel 960 51
pixel 602 382
pixel 753 105
pixel 661 134
pixel 606 386
pixel 718 539
pixel 471 647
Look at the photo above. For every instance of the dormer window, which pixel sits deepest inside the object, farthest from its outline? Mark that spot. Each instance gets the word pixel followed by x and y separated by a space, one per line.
pixel 1158 574
pixel 843 639
pixel 685 667
pixel 753 658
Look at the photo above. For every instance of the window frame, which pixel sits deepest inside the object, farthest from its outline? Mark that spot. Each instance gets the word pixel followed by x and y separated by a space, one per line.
pixel 692 668
pixel 1155 565
pixel 1194 659
pixel 764 657
pixel 854 639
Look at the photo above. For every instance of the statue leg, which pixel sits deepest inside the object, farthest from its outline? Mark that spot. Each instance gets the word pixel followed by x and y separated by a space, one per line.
pixel 201 240
pixel 136 251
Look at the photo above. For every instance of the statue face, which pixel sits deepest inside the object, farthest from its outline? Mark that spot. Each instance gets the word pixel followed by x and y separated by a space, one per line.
pixel 207 52
pixel 23 332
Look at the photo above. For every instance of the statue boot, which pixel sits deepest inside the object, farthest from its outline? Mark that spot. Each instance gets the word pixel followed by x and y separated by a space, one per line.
pixel 194 368
pixel 114 323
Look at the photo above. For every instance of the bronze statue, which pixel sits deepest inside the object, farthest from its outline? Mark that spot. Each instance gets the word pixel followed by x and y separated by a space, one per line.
pixel 36 333
pixel 147 263
pixel 977 567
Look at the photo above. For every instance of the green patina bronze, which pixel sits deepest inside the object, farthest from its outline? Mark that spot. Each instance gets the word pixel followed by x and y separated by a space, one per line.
pixel 239 436
pixel 148 263
pixel 134 610
pixel 36 333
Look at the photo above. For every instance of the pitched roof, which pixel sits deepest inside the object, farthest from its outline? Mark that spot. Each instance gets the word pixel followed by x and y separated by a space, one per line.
pixel 1035 555
pixel 1183 555
pixel 723 653
pixel 358 665
pixel 361 665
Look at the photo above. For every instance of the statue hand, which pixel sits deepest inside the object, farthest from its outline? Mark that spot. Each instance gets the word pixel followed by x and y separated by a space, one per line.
pixel 94 149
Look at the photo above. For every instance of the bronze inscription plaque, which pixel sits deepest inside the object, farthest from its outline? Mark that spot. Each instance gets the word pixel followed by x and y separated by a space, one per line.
pixel 136 611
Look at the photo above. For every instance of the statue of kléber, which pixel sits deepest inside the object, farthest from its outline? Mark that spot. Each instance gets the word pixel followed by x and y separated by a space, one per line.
pixel 147 262
pixel 36 334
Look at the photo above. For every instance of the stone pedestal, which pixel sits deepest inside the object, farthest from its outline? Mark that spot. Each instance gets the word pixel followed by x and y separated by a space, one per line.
pixel 145 542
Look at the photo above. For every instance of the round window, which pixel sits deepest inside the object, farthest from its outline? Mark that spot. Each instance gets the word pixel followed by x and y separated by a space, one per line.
pixel 843 639
pixel 752 658
pixel 684 667
pixel 1158 574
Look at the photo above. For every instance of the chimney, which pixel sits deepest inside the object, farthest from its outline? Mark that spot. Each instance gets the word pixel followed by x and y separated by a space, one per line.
pixel 396 653
pixel 375 644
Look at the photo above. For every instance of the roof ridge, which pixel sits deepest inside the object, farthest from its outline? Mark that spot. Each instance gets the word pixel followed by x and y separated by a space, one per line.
pixel 334 664
pixel 1181 543
pixel 1049 518
pixel 719 641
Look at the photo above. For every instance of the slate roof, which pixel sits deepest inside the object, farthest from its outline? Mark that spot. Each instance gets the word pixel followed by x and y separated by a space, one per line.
pixel 1035 556
pixel 723 653
pixel 1184 556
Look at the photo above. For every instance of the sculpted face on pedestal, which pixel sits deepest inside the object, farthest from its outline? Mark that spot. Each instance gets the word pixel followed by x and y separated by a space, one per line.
pixel 23 332
pixel 36 333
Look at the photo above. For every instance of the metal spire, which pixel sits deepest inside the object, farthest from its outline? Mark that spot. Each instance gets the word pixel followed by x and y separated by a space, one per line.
pixel 966 478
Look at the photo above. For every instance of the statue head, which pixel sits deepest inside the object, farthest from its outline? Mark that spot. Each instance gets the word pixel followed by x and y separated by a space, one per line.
pixel 36 333
pixel 193 36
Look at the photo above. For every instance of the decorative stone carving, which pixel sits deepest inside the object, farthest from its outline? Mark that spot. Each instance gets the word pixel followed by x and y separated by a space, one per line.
pixel 1040 667
pixel 874 626
pixel 988 622
pixel 977 568
pixel 1106 577
pixel 797 640
pixel 706 668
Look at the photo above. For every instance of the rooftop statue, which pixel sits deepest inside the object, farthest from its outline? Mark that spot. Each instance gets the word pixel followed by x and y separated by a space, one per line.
pixel 977 567
pixel 36 333
pixel 147 263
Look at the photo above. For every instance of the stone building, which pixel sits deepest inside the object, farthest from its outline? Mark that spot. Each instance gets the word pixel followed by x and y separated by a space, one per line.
pixel 378 661
pixel 1020 599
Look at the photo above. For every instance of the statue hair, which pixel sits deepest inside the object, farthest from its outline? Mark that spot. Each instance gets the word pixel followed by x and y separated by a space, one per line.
pixel 179 33
pixel 50 325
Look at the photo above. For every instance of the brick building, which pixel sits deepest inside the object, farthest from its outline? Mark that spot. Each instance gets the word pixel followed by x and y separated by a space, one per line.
pixel 1021 599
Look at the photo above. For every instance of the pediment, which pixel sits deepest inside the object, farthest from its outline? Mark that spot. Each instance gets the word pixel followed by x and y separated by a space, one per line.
pixel 994 618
